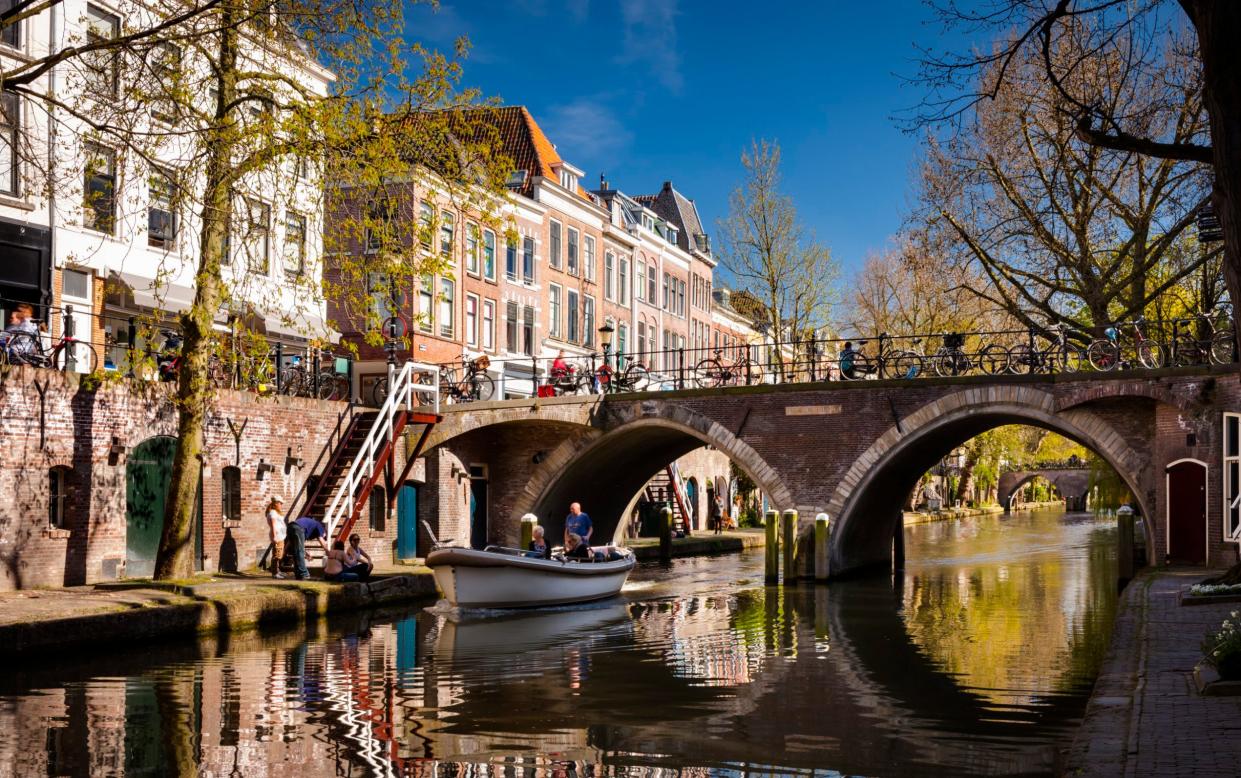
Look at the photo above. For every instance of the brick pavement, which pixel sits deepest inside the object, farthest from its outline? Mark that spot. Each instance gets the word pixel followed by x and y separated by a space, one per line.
pixel 1146 717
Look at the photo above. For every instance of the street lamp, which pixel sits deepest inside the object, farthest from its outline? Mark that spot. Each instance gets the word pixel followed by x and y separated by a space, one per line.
pixel 605 338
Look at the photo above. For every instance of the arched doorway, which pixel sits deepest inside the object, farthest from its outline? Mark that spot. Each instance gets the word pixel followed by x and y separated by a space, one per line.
pixel 691 500
pixel 148 472
pixel 1186 481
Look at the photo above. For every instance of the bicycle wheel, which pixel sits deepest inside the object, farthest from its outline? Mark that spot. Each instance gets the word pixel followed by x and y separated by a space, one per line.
pixel 949 363
pixel 1022 359
pixel 634 379
pixel 21 349
pixel 1150 354
pixel 332 386
pixel 1222 347
pixel 1103 355
pixel 709 373
pixel 747 373
pixel 75 357
pixel 993 359
pixel 482 387
pixel 902 364
pixel 379 392
pixel 293 382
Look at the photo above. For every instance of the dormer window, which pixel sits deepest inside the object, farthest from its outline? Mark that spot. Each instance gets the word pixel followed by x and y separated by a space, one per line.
pixel 568 180
pixel 672 235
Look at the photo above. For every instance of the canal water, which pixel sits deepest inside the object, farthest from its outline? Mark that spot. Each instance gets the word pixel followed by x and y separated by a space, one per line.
pixel 977 660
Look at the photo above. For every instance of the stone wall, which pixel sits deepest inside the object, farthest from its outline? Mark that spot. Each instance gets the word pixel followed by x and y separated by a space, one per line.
pixel 49 419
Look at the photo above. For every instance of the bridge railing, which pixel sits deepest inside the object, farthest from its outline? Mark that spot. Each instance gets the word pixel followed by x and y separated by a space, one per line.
pixel 589 368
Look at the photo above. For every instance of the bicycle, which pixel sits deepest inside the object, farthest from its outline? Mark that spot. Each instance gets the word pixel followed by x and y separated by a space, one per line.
pixel 476 385
pixel 952 360
pixel 633 378
pixel 716 371
pixel 855 364
pixel 1104 353
pixel 1217 345
pixel 1060 355
pixel 66 354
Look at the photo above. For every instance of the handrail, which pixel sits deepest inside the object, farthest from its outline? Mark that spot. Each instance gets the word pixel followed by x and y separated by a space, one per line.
pixel 329 449
pixel 380 439
pixel 674 478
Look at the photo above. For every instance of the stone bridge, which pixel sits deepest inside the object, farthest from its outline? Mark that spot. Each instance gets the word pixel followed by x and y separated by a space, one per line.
pixel 852 450
pixel 1073 484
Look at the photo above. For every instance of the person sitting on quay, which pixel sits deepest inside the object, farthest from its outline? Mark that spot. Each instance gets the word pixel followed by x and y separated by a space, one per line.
pixel 277 532
pixel 334 565
pixel 298 532
pixel 538 544
pixel 577 522
pixel 357 561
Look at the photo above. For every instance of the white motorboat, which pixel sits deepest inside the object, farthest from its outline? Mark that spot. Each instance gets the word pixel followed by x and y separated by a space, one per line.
pixel 499 577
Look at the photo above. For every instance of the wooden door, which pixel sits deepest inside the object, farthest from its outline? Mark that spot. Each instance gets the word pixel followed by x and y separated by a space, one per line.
pixel 1187 512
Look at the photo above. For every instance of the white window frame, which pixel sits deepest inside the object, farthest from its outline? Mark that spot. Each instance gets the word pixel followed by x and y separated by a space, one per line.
pixel 588 257
pixel 609 275
pixel 555 233
pixel 489 325
pixel 1232 483
pixel 471 319
pixel 555 305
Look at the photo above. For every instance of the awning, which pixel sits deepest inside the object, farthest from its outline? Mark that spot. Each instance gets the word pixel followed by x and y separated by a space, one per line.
pixel 127 290
pixel 303 326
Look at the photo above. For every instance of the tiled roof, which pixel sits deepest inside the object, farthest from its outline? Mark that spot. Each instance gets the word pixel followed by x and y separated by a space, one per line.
pixel 524 140
pixel 678 209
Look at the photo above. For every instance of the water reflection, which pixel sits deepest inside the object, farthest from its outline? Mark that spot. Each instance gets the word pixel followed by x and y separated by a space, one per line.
pixel 977 660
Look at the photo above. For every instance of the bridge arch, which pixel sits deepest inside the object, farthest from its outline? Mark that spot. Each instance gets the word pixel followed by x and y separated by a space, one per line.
pixel 869 498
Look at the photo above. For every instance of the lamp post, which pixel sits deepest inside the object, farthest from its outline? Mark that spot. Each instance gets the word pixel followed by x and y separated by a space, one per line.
pixel 605 339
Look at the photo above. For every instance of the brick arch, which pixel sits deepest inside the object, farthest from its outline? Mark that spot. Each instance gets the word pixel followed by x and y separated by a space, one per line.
pixel 1106 390
pixel 1078 481
pixel 866 503
pixel 639 441
pixel 570 411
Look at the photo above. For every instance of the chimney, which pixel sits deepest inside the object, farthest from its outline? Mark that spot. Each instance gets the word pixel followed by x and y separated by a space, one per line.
pixel 603 182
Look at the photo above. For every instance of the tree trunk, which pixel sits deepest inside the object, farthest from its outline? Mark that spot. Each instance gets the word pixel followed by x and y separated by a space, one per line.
pixel 1218 25
pixel 176 547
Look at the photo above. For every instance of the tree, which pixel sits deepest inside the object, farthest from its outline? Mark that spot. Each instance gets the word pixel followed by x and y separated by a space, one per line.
pixel 234 110
pixel 1037 28
pixel 771 256
pixel 1058 231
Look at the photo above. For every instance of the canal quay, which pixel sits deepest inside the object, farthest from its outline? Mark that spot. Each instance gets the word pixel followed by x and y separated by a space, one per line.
pixel 978 659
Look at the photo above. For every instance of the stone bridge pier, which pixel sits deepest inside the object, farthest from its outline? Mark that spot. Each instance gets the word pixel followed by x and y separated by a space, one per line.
pixel 851 450
pixel 1073 484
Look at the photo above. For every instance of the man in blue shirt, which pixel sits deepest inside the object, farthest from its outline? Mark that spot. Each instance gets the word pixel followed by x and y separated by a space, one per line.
pixel 577 523
pixel 298 532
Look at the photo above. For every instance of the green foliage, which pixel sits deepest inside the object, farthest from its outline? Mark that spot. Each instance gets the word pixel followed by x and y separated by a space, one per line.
pixel 1222 649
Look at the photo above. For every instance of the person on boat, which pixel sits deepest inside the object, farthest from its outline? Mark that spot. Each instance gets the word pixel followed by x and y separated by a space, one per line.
pixel 357 561
pixel 538 544
pixel 334 565
pixel 577 522
pixel 298 532
pixel 575 548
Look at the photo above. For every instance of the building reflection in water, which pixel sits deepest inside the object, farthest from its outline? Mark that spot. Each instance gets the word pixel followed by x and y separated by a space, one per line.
pixel 977 660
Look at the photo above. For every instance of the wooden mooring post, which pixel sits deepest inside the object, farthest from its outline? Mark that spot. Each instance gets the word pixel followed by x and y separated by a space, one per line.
pixel 820 547
pixel 665 535
pixel 772 550
pixel 788 534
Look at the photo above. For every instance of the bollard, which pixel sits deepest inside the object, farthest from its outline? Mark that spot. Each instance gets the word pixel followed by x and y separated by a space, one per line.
pixel 665 535
pixel 772 549
pixel 1124 546
pixel 820 547
pixel 527 530
pixel 789 540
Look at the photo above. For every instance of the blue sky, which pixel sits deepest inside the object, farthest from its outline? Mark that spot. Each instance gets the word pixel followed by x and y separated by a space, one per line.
pixel 655 90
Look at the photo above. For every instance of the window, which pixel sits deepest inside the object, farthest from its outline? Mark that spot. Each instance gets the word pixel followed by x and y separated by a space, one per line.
pixel 568 180
pixel 258 239
pixel 378 220
pixel 641 339
pixel 58 498
pixel 553 257
pixel 489 325
pixel 489 255
pixel 553 303
pixel 161 215
pixel 588 321
pixel 448 227
pixel 511 323
pixel 377 507
pixel 426 304
pixel 379 285
pixel 622 338
pixel 571 322
pixel 10 126
pixel 10 35
pixel 640 292
pixel 294 259
pixel 1232 477
pixel 527 260
pixel 651 282
pixel 510 260
pixel 99 208
pixel 426 223
pixel 471 248
pixel 571 258
pixel 471 320
pixel 609 276
pixel 230 493
pixel 527 331
pixel 622 281
pixel 650 340
pixel 447 318
pixel 166 70
pixel 667 283
pixel 588 258
pixel 103 65
pixel 680 297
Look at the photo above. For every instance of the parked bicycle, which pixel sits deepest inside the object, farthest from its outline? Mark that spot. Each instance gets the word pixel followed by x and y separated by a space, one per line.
pixel 719 371
pixel 952 360
pixel 855 364
pixel 1105 353
pixel 1061 354
pixel 475 384
pixel 300 379
pixel 67 353
pixel 1205 337
pixel 632 378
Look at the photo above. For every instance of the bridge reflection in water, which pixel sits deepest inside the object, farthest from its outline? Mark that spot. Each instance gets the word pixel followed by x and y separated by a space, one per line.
pixel 977 660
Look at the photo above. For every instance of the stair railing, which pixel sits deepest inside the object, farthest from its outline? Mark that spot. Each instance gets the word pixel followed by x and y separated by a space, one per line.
pixel 380 442
pixel 678 493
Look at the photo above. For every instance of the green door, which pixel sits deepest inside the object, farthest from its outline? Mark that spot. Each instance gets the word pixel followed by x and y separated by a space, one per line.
pixel 148 472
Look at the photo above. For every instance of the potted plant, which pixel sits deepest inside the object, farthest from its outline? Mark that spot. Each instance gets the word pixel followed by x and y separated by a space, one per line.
pixel 1223 649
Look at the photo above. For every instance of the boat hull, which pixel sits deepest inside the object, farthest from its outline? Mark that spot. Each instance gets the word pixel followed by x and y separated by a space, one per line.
pixel 480 579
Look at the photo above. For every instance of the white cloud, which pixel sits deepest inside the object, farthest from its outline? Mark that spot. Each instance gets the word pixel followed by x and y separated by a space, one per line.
pixel 587 127
pixel 650 38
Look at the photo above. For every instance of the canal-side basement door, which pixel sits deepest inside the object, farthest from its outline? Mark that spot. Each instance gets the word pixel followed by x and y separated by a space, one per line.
pixel 148 472
pixel 478 506
pixel 1186 482
pixel 407 521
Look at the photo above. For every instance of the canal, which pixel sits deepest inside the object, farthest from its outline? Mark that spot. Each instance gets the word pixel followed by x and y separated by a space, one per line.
pixel 977 660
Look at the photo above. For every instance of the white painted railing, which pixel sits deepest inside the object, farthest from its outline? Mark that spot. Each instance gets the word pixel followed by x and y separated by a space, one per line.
pixel 401 391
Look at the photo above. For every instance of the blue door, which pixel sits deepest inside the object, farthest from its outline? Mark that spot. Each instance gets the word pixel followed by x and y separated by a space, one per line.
pixel 407 522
